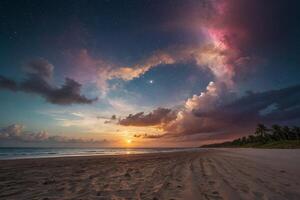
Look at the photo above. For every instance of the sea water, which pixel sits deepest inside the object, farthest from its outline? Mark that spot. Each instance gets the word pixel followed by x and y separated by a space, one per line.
pixel 21 153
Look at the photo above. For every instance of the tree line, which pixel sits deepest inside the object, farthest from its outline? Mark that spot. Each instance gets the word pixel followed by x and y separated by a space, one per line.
pixel 264 135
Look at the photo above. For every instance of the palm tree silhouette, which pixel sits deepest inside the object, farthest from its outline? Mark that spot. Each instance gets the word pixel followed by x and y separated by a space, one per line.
pixel 287 132
pixel 261 130
pixel 277 132
pixel 296 131
pixel 277 135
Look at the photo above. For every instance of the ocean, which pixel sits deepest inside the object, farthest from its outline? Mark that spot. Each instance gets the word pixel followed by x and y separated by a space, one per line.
pixel 22 153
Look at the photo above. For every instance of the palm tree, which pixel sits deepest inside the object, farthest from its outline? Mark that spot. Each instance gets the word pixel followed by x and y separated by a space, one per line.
pixel 251 139
pixel 287 132
pixel 237 142
pixel 277 132
pixel 261 130
pixel 296 131
pixel 244 140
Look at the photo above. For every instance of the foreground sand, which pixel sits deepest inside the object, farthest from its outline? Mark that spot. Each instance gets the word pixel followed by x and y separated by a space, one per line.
pixel 206 174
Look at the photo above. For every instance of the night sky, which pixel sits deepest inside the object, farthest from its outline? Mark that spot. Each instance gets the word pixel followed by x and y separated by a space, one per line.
pixel 146 72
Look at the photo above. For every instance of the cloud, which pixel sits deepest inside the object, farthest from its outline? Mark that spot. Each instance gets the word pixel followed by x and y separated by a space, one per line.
pixel 242 114
pixel 39 73
pixel 6 83
pixel 235 40
pixel 158 116
pixel 281 106
pixel 223 50
pixel 68 93
pixel 227 49
pixel 205 56
pixel 112 119
pixel 219 114
pixel 148 136
pixel 15 134
pixel 231 42
pixel 100 71
pixel 40 67
pixel 240 17
pixel 225 53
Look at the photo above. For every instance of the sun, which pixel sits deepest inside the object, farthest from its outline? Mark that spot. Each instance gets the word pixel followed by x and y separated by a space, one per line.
pixel 128 141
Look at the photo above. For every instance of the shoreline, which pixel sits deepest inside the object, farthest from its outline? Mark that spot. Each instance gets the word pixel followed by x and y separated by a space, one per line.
pixel 78 152
pixel 99 155
pixel 91 152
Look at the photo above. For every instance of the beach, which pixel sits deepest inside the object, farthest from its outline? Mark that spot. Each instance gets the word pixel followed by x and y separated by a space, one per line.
pixel 198 174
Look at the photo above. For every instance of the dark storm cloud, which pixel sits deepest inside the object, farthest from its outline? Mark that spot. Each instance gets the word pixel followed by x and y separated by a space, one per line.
pixel 68 93
pixel 156 117
pixel 6 83
pixel 282 102
pixel 39 72
pixel 275 106
pixel 237 117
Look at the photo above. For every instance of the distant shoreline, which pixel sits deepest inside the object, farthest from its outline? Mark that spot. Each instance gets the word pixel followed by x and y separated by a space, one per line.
pixel 289 144
pixel 275 137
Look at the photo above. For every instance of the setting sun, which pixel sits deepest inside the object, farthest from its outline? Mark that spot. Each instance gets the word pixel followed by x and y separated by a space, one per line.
pixel 128 141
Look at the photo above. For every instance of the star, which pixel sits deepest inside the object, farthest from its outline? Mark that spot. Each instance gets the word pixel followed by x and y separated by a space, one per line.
pixel 151 81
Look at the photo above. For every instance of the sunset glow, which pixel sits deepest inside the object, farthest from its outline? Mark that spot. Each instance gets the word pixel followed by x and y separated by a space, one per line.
pixel 128 141
pixel 167 74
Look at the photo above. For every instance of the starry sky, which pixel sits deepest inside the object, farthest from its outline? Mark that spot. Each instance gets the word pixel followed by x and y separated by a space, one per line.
pixel 145 73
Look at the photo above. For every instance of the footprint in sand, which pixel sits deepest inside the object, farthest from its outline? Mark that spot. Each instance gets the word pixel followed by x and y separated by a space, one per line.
pixel 127 175
pixel 211 182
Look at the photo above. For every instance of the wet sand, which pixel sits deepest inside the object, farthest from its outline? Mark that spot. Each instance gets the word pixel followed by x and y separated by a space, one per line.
pixel 204 174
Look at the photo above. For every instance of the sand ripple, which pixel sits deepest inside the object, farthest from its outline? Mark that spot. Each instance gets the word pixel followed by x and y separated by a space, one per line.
pixel 207 174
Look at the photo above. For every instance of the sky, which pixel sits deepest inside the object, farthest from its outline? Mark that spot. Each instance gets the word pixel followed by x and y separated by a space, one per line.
pixel 146 73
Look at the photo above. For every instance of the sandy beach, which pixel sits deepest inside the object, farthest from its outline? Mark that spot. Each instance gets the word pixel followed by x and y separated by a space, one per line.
pixel 204 174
